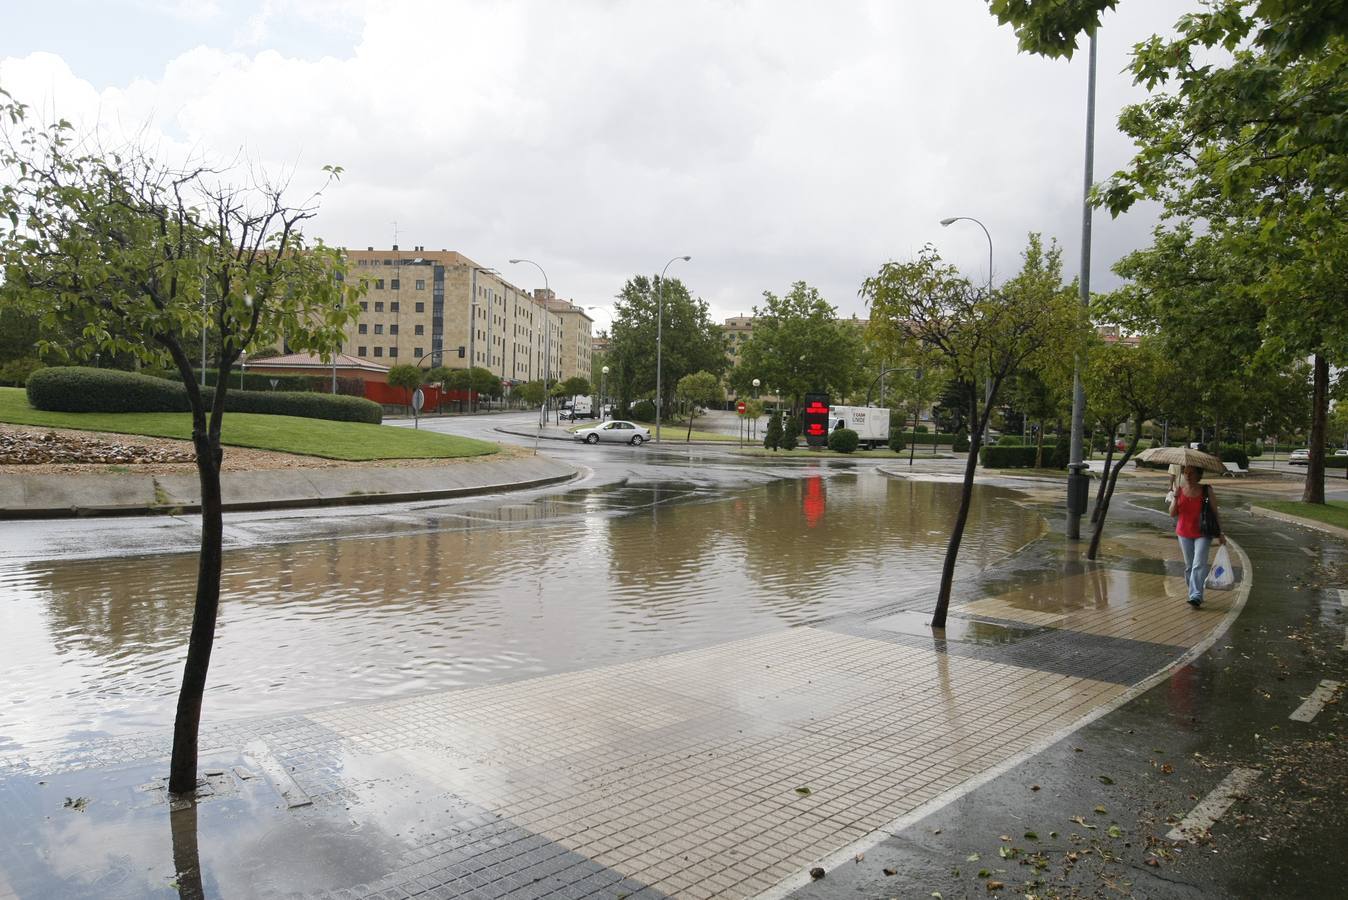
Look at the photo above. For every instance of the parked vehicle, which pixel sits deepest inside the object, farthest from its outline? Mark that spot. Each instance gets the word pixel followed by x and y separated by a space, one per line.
pixel 871 423
pixel 1300 458
pixel 578 407
pixel 619 431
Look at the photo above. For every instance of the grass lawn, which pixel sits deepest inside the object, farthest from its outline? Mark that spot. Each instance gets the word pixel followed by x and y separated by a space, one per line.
pixel 286 434
pixel 1335 512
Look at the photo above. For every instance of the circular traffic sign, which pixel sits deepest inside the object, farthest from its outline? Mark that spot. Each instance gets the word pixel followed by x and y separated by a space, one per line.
pixel 741 407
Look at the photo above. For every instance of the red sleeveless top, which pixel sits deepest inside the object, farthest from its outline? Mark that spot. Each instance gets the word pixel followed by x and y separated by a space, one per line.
pixel 1186 525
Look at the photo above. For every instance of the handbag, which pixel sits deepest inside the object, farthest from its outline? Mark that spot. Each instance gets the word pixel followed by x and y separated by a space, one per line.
pixel 1208 526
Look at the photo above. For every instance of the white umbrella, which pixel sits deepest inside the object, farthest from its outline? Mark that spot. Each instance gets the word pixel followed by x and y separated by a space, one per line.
pixel 1183 456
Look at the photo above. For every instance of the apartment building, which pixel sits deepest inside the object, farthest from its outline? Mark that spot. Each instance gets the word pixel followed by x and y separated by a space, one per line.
pixel 426 307
pixel 577 339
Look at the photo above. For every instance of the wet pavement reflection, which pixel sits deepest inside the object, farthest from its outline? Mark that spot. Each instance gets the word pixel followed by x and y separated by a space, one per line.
pixel 477 594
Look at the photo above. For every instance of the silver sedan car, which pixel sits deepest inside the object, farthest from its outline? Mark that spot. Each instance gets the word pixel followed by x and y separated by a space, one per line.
pixel 618 431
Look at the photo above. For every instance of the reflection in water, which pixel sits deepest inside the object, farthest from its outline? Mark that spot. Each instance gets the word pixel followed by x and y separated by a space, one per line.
pixel 186 859
pixel 577 579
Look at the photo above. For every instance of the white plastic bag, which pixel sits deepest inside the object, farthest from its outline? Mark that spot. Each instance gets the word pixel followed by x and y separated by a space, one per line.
pixel 1220 575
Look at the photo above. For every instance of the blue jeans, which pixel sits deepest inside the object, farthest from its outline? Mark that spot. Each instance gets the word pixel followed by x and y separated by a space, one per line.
pixel 1195 552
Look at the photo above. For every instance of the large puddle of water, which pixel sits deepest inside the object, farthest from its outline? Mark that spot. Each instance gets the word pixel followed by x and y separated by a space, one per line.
pixel 586 577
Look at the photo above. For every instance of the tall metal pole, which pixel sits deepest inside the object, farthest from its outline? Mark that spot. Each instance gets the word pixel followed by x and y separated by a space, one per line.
pixel 1076 478
pixel 659 342
pixel 547 343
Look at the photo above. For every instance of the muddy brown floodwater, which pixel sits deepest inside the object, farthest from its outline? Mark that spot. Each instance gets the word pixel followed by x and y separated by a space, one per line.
pixel 571 580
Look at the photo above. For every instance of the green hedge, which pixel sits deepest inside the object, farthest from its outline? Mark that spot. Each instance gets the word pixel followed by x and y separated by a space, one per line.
pixel 843 440
pixel 255 381
pixel 896 440
pixel 1016 440
pixel 926 437
pixel 1002 457
pixel 76 389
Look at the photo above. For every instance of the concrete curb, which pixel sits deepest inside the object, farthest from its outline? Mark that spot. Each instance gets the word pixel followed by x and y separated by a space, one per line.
pixel 1312 524
pixel 71 496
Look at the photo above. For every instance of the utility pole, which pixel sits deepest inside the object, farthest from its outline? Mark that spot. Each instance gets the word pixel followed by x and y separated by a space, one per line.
pixel 1077 482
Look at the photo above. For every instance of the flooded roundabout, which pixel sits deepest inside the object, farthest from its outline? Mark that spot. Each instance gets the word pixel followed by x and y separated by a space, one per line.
pixel 697 682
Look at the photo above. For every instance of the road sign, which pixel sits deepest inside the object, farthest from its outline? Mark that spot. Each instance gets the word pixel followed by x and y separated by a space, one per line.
pixel 741 407
pixel 418 400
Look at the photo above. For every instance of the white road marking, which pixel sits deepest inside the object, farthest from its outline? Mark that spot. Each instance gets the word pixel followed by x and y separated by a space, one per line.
pixel 1308 551
pixel 1343 598
pixel 1211 807
pixel 1316 701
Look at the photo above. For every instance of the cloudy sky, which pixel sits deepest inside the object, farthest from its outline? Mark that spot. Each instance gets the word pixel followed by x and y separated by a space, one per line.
pixel 772 141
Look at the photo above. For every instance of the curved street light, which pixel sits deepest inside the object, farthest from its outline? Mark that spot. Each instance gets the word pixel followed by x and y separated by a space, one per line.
pixel 659 342
pixel 547 342
pixel 945 223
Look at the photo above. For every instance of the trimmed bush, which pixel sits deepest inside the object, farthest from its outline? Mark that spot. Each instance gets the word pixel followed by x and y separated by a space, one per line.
pixel 961 443
pixel 254 381
pixel 772 438
pixel 790 433
pixel 80 389
pixel 843 440
pixel 644 411
pixel 1002 457
pixel 1236 455
pixel 1059 456
pixel 922 429
pixel 922 436
pixel 896 440
pixel 76 389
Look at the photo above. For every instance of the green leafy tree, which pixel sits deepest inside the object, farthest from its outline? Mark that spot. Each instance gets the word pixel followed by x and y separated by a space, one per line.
pixel 698 389
pixel 576 386
pixel 791 426
pixel 1123 383
pixel 692 341
pixel 531 392
pixel 983 337
pixel 799 346
pixel 146 256
pixel 407 377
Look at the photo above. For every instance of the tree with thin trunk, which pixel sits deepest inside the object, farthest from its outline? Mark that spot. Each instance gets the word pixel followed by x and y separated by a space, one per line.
pixel 407 377
pixel 698 389
pixel 147 255
pixel 982 337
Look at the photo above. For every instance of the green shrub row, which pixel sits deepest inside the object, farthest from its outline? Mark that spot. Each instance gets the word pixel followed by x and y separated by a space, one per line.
pixel 254 381
pixel 927 437
pixel 78 389
pixel 1001 457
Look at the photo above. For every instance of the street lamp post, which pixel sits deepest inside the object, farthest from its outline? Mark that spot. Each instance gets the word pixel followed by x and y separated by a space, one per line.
pixel 753 423
pixel 603 392
pixel 659 342
pixel 547 344
pixel 1077 481
pixel 243 366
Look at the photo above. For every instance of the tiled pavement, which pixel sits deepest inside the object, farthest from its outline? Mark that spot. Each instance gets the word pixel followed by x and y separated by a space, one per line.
pixel 721 771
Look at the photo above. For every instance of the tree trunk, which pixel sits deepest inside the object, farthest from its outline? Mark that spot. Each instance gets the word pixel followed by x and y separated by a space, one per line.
pixel 1314 491
pixel 1039 447
pixel 952 549
pixel 1109 456
pixel 1102 504
pixel 186 858
pixel 912 447
pixel 187 722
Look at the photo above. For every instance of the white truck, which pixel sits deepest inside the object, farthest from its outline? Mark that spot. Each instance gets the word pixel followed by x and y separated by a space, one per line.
pixel 871 423
pixel 580 406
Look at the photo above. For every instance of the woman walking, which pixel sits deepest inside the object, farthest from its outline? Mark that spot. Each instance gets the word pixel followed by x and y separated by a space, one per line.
pixel 1196 525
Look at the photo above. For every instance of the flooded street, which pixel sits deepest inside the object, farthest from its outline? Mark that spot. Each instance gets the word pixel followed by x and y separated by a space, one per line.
pixel 389 605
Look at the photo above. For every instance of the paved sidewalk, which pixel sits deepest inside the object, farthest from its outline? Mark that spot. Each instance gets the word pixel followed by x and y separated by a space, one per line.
pixel 55 496
pixel 724 771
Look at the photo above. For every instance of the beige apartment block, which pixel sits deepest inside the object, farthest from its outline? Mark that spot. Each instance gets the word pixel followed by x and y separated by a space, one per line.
pixel 577 340
pixel 427 307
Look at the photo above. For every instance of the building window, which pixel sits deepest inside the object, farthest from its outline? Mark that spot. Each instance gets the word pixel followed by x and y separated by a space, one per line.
pixel 378 351
pixel 421 284
pixel 364 307
pixel 360 351
pixel 421 307
pixel 379 284
pixel 419 351
pixel 393 283
pixel 364 329
pixel 419 329
pixel 393 329
pixel 393 307
pixel 392 351
pixel 379 306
